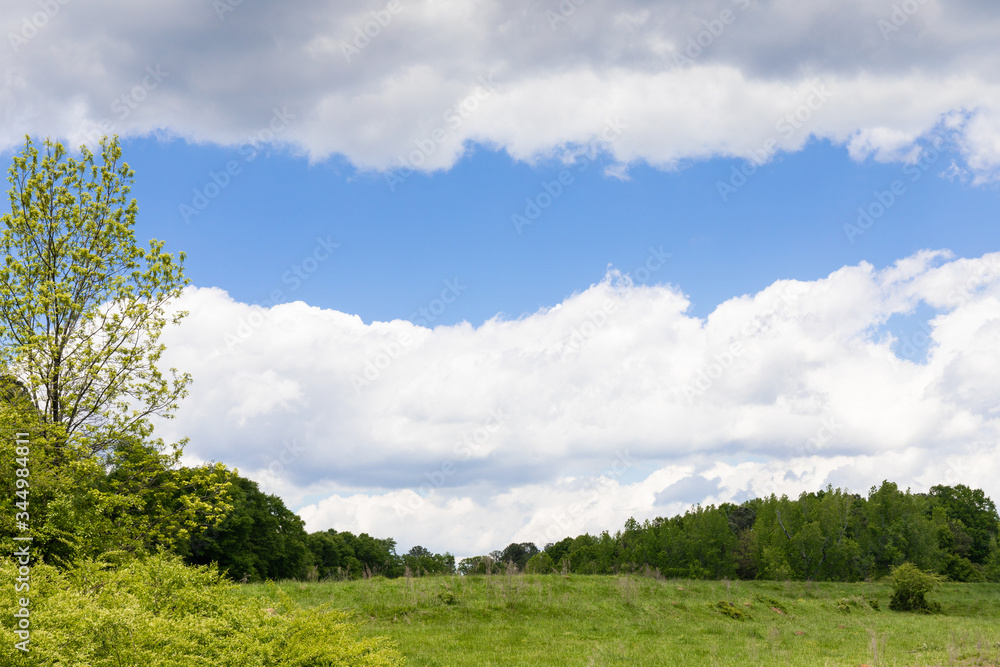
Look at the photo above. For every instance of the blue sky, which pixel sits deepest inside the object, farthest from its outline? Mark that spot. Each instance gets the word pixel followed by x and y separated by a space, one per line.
pixel 526 269
pixel 397 247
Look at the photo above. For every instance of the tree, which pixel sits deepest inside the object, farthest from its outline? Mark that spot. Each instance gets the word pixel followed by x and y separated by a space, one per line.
pixel 540 563
pixel 82 307
pixel 259 539
pixel 973 520
pixel 808 538
pixel 81 304
pixel 420 560
pixel 516 553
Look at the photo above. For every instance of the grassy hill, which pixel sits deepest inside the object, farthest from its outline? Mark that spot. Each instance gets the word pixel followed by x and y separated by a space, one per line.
pixel 513 619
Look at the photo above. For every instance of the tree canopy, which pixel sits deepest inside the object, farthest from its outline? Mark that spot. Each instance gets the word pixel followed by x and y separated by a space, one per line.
pixel 81 304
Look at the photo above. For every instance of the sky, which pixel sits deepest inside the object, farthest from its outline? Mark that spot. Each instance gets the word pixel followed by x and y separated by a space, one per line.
pixel 464 274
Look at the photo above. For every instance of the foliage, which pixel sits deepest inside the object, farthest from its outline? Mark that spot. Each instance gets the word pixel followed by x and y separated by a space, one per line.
pixel 972 520
pixel 858 602
pixel 830 535
pixel 731 610
pixel 478 565
pixel 516 553
pixel 421 561
pixel 156 611
pixel 81 304
pixel 909 586
pixel 347 556
pixel 540 563
pixel 82 307
pixel 260 539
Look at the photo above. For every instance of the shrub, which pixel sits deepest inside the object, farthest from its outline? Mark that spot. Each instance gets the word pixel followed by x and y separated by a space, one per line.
pixel 158 612
pixel 731 610
pixel 909 586
pixel 540 563
pixel 844 605
pixel 962 569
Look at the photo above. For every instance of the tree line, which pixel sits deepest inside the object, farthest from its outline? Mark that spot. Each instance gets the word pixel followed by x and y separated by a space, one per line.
pixel 829 535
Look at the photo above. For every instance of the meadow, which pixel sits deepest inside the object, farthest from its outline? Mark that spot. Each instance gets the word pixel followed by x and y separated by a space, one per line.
pixel 518 619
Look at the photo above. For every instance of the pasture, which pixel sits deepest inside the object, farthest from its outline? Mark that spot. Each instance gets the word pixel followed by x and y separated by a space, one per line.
pixel 517 619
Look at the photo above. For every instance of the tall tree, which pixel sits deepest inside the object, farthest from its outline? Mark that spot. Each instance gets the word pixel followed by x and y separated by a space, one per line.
pixel 81 304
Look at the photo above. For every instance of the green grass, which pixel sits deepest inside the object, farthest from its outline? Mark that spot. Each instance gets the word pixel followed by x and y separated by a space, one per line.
pixel 633 620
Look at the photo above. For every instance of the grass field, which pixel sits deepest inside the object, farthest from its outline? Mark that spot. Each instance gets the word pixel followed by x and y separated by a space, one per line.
pixel 512 619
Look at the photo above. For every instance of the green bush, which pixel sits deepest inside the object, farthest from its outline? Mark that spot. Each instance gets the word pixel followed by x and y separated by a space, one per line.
pixel 962 569
pixel 909 585
pixel 158 612
pixel 540 563
pixel 731 610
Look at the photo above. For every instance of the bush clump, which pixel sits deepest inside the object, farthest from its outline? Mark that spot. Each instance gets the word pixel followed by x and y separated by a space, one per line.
pixel 910 584
pixel 158 612
pixel 731 610
pixel 540 563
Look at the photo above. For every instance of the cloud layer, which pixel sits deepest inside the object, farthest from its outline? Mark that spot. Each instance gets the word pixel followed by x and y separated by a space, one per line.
pixel 613 403
pixel 412 84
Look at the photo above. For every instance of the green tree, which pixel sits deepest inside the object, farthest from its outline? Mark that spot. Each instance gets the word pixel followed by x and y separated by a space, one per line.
pixel 81 304
pixel 973 521
pixel 808 538
pixel 82 307
pixel 540 563
pixel 345 555
pixel 421 561
pixel 516 553
pixel 259 539
pixel 894 527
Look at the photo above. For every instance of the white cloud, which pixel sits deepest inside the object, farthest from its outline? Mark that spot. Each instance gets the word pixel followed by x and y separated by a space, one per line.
pixel 689 80
pixel 465 438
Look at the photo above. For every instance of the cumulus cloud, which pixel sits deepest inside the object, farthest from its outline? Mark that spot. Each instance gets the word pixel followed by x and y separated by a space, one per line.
pixel 615 402
pixel 414 83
